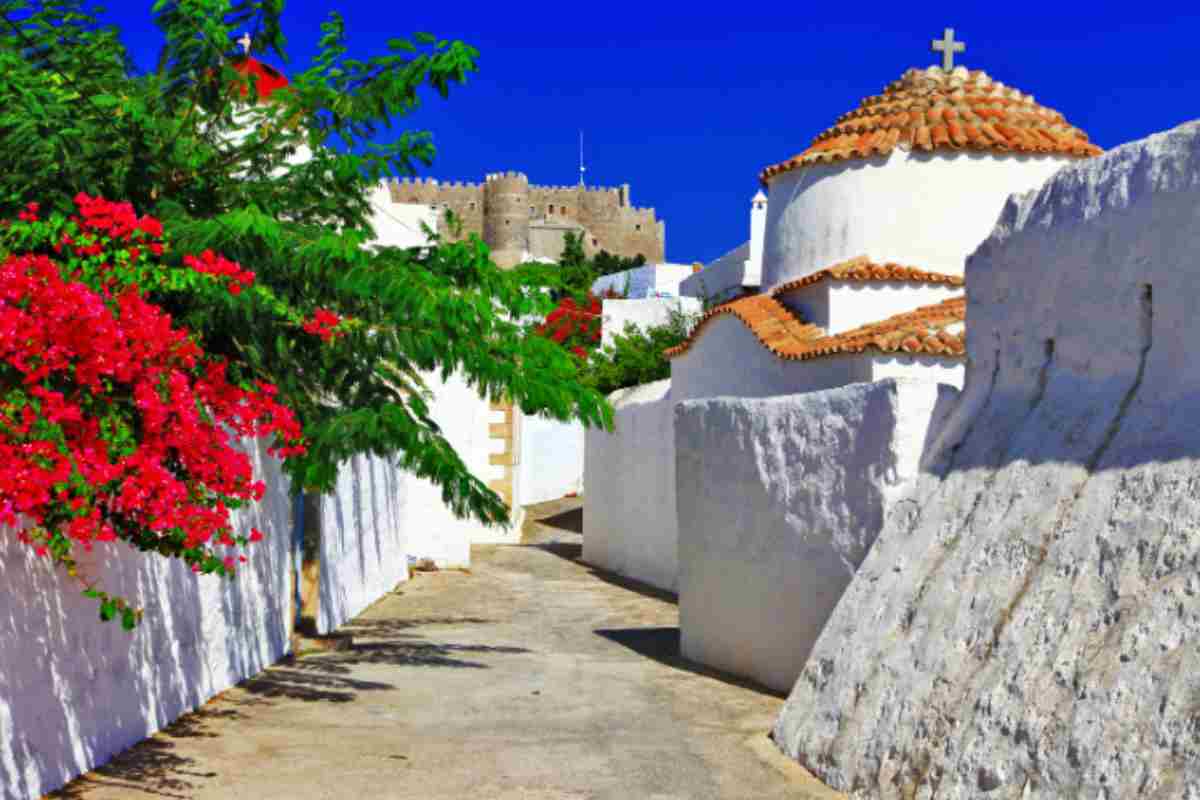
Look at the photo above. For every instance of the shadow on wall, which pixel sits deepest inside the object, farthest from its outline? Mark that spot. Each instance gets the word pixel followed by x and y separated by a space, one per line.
pixel 363 548
pixel 75 691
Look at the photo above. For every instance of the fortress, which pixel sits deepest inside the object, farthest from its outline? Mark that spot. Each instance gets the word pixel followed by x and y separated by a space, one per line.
pixel 521 222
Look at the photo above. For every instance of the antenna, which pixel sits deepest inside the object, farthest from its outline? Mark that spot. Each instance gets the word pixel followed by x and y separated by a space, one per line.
pixel 582 168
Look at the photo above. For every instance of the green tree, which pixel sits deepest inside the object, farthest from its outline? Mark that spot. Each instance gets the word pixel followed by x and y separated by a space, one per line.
pixel 179 143
pixel 636 355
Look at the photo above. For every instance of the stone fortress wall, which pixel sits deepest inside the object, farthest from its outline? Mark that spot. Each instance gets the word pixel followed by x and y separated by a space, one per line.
pixel 516 218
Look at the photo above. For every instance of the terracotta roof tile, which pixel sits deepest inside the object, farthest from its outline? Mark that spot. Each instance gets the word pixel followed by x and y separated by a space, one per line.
pixel 863 269
pixel 771 322
pixel 925 330
pixel 935 110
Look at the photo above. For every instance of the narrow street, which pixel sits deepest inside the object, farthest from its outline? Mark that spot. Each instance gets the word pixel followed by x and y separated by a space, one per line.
pixel 531 677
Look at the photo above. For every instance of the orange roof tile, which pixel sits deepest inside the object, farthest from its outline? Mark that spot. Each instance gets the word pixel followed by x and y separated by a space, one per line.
pixel 864 269
pixel 936 110
pixel 925 330
pixel 771 322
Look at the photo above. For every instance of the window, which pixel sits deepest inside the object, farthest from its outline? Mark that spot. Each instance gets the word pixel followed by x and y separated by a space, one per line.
pixel 531 211
pixel 594 242
pixel 471 205
pixel 550 209
pixel 637 227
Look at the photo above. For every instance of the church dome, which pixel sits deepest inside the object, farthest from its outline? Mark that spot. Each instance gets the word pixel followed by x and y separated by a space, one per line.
pixel 916 175
pixel 932 109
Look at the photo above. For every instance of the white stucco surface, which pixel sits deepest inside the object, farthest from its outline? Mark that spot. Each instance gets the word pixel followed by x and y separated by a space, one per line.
pixel 856 303
pixel 75 691
pixel 399 224
pixel 1030 629
pixel 722 278
pixel 728 360
pixel 924 210
pixel 629 517
pixel 550 465
pixel 651 280
pixel 779 500
pixel 364 551
pixel 433 531
pixel 644 313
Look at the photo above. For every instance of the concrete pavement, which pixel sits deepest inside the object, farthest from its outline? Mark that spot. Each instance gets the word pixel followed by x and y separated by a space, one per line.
pixel 532 677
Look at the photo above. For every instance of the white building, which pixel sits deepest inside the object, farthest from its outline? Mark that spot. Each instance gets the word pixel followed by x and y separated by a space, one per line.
pixel 801 410
pixel 737 272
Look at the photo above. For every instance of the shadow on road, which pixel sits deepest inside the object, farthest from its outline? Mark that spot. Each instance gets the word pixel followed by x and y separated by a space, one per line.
pixel 662 645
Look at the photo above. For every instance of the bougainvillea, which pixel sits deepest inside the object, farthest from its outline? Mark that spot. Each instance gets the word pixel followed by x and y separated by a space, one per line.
pixel 114 424
pixel 324 324
pixel 574 324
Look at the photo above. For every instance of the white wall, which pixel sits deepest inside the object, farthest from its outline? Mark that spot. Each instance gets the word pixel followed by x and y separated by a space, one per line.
pixel 550 465
pixel 644 313
pixel 647 281
pixel 433 531
pixel 728 360
pixel 856 303
pixel 399 224
pixel 629 522
pixel 1035 625
pixel 363 549
pixel 779 500
pixel 722 278
pixel 75 691
pixel 924 210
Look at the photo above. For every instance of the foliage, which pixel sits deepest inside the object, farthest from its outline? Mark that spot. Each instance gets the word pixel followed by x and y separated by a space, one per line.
pixel 114 423
pixel 233 178
pixel 605 263
pixel 636 355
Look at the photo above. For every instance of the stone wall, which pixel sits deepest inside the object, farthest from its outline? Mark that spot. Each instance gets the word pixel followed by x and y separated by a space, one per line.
pixel 502 209
pixel 629 518
pixel 779 500
pixel 1028 626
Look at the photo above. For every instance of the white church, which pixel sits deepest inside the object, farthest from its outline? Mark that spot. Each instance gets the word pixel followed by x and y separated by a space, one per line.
pixel 758 513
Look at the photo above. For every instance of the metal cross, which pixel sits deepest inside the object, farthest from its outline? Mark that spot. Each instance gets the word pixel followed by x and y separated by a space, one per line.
pixel 245 42
pixel 948 47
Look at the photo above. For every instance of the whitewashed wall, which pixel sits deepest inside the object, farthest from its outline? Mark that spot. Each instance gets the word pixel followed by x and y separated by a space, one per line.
pixel 827 213
pixel 779 500
pixel 721 278
pixel 629 518
pixel 646 281
pixel 856 303
pixel 433 531
pixel 399 224
pixel 363 549
pixel 727 360
pixel 550 464
pixel 643 313
pixel 75 691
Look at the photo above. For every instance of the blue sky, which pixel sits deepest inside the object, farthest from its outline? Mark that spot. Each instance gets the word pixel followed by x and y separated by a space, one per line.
pixel 687 105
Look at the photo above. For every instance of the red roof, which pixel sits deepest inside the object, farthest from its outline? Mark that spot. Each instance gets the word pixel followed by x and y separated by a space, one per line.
pixel 269 79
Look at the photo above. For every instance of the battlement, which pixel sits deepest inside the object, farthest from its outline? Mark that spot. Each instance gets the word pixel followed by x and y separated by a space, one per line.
pixel 502 207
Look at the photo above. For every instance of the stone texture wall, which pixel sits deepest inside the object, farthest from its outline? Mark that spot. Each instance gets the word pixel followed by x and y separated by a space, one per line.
pixel 504 208
pixel 1028 624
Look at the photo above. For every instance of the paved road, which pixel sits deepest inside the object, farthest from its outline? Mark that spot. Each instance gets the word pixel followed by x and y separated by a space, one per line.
pixel 532 677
